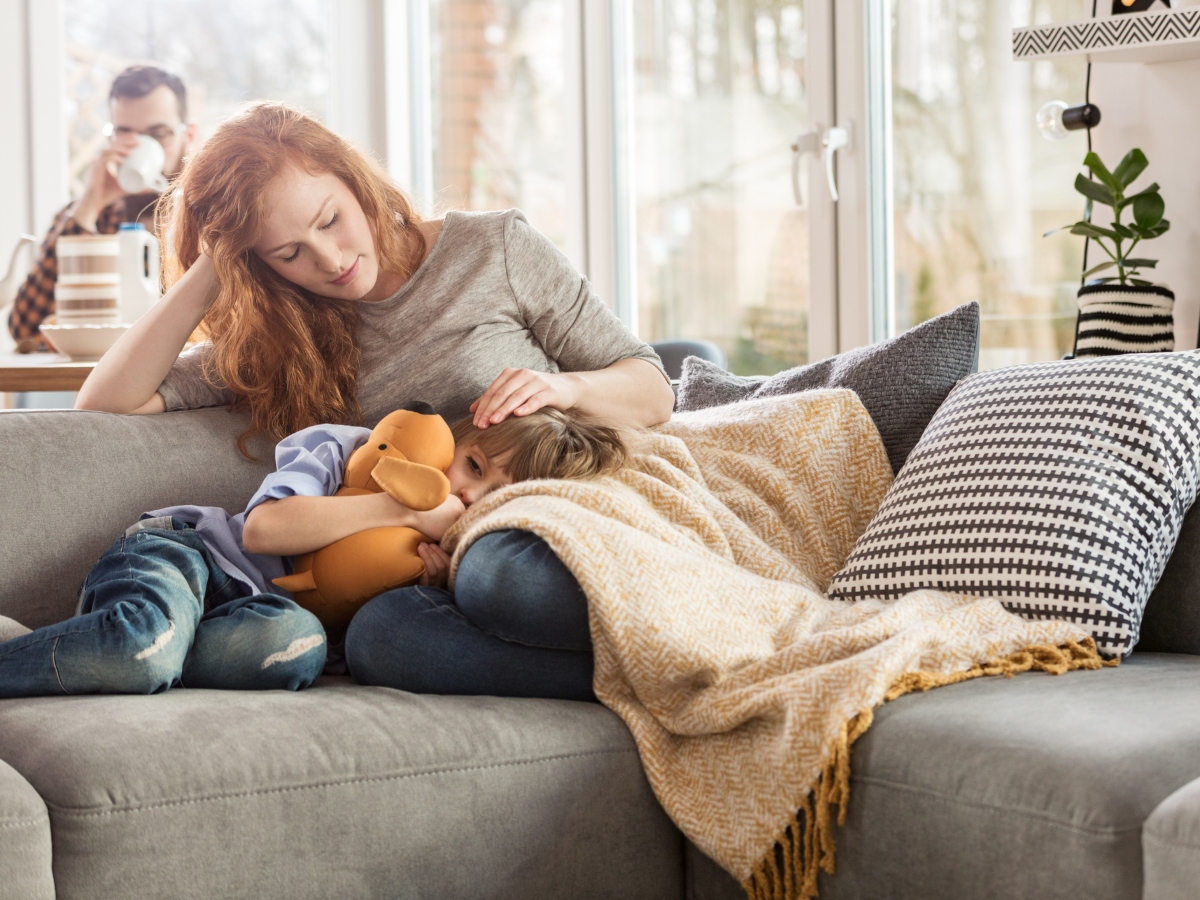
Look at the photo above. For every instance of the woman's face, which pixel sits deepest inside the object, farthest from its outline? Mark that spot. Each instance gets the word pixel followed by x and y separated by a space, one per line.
pixel 317 236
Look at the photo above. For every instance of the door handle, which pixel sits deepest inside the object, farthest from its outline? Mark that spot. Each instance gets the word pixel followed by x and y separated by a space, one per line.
pixel 805 143
pixel 833 140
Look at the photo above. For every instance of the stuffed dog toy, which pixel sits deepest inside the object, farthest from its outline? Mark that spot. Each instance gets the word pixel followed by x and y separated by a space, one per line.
pixel 407 456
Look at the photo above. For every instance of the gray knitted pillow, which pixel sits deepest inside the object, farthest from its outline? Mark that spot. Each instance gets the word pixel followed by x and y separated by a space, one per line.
pixel 901 382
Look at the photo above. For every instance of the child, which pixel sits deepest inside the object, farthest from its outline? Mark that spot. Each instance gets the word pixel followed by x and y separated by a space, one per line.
pixel 181 598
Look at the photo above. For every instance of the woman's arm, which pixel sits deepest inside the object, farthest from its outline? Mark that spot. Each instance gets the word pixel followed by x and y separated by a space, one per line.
pixel 630 391
pixel 301 524
pixel 127 377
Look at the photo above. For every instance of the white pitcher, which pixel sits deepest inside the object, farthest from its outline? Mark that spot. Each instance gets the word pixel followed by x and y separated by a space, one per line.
pixel 14 276
pixel 140 267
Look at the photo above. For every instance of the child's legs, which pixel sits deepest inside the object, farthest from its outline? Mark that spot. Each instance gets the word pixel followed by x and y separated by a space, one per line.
pixel 137 614
pixel 264 642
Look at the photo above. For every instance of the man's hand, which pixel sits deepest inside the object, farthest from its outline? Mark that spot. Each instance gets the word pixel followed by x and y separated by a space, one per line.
pixel 437 565
pixel 522 391
pixel 100 187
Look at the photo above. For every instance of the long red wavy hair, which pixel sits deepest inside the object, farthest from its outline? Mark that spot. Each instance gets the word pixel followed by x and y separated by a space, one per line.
pixel 289 357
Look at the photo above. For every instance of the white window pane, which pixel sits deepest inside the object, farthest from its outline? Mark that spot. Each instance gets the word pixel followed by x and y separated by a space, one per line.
pixel 227 51
pixel 498 130
pixel 975 185
pixel 722 247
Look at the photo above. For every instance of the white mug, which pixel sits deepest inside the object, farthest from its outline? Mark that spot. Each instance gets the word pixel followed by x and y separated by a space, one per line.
pixel 142 169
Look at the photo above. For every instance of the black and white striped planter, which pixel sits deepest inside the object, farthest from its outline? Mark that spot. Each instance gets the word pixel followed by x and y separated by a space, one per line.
pixel 1124 318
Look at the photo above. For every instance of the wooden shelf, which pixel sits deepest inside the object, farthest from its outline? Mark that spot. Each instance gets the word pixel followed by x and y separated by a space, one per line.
pixel 1149 37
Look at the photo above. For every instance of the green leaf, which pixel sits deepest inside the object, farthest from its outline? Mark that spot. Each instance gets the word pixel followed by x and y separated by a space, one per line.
pixel 1087 210
pixel 1141 283
pixel 1105 280
pixel 1092 161
pixel 1130 167
pixel 1153 189
pixel 1093 190
pixel 1147 234
pixel 1087 229
pixel 1123 230
pixel 1100 268
pixel 1140 263
pixel 1148 209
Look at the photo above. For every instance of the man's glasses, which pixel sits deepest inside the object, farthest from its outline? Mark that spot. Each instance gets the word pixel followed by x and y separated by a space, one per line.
pixel 161 133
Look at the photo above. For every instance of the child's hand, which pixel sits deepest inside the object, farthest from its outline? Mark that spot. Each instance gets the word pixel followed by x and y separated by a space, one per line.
pixel 436 522
pixel 437 565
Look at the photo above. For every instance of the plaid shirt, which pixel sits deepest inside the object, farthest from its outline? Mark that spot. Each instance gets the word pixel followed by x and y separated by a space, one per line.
pixel 35 299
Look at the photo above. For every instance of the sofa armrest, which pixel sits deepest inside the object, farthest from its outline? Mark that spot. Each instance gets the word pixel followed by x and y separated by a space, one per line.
pixel 1171 846
pixel 71 481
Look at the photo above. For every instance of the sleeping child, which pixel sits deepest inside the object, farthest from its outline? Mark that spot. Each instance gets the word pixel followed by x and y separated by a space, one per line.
pixel 184 597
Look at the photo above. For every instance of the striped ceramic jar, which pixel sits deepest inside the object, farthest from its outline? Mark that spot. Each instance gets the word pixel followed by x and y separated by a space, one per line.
pixel 1124 318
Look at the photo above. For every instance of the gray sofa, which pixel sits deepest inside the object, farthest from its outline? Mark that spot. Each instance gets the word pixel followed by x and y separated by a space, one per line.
pixel 1085 785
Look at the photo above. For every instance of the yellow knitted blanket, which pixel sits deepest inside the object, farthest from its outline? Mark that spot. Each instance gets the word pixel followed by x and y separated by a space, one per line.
pixel 704 564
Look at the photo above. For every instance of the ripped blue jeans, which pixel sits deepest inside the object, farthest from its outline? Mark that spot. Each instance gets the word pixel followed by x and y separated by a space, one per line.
pixel 157 612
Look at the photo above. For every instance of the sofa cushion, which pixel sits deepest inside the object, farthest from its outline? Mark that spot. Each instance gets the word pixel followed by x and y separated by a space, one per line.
pixel 84 477
pixel 901 381
pixel 1057 488
pixel 1171 846
pixel 995 788
pixel 25 854
pixel 341 791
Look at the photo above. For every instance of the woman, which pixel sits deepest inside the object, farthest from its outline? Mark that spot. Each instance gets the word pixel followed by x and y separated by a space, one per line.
pixel 325 298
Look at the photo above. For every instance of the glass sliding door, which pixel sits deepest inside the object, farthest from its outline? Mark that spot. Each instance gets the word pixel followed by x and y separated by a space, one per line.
pixel 975 186
pixel 720 90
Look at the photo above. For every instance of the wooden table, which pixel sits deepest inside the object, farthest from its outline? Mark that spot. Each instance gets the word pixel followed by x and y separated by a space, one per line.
pixel 42 372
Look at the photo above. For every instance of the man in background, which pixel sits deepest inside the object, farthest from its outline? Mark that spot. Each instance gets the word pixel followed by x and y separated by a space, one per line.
pixel 143 100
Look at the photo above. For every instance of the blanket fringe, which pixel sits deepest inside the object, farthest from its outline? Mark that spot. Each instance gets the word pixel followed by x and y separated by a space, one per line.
pixel 806 846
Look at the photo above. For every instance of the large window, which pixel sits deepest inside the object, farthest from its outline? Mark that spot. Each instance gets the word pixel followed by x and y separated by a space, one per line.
pixel 719 95
pixel 975 186
pixel 687 143
pixel 498 136
pixel 227 51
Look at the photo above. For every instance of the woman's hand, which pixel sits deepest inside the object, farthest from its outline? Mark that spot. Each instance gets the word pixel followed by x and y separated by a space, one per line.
pixel 522 391
pixel 630 391
pixel 437 565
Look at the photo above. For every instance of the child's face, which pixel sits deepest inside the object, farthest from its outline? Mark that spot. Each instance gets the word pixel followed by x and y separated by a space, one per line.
pixel 473 475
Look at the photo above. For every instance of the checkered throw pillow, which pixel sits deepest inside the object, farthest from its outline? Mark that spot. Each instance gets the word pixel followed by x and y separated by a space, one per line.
pixel 1057 488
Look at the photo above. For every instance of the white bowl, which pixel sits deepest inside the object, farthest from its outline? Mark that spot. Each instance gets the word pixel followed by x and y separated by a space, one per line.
pixel 82 342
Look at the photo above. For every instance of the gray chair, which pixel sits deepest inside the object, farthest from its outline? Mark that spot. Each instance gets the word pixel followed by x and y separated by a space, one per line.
pixel 673 353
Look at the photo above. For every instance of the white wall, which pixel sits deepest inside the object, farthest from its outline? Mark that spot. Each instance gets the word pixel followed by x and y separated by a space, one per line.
pixel 1154 107
pixel 15 215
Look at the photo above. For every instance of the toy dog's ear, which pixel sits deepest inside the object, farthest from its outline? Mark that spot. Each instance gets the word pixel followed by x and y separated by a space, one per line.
pixel 417 487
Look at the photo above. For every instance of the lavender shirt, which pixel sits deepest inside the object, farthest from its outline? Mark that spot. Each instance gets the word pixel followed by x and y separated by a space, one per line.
pixel 309 463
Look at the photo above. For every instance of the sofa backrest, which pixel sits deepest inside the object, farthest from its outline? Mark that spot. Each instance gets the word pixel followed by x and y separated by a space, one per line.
pixel 71 481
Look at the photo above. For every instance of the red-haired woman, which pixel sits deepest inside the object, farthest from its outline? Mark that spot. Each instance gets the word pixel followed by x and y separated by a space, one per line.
pixel 325 298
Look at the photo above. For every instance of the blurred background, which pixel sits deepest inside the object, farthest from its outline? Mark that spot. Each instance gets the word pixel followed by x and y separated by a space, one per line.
pixel 650 139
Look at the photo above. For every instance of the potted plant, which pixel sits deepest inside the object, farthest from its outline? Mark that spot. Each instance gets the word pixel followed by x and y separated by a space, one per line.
pixel 1122 312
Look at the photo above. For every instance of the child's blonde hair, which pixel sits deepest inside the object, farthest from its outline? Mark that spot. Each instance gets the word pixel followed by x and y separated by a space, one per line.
pixel 548 443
